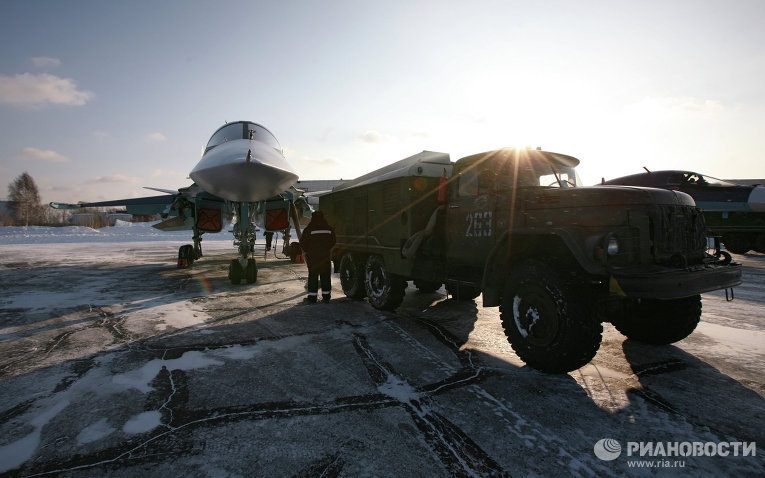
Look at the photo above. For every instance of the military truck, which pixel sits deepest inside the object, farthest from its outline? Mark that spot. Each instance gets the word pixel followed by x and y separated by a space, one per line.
pixel 515 226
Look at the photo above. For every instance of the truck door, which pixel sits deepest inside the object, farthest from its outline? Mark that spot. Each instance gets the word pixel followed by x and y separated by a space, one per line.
pixel 358 219
pixel 470 224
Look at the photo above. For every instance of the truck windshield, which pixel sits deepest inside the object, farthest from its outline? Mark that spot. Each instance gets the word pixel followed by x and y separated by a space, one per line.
pixel 560 178
pixel 510 168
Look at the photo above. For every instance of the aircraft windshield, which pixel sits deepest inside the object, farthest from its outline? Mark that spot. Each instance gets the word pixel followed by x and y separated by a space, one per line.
pixel 242 130
pixel 693 178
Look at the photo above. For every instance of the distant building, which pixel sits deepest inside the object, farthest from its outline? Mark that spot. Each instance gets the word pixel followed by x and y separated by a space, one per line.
pixel 316 185
pixel 98 219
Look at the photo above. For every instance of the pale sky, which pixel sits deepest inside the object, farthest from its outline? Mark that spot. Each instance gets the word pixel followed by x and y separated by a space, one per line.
pixel 98 99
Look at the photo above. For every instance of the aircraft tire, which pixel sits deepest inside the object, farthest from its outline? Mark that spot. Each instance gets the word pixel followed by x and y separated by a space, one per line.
pixel 548 322
pixel 185 256
pixel 659 322
pixel 294 251
pixel 235 271
pixel 251 272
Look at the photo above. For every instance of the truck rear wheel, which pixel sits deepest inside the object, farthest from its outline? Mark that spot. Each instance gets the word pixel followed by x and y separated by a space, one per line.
pixel 385 291
pixel 659 322
pixel 352 276
pixel 549 325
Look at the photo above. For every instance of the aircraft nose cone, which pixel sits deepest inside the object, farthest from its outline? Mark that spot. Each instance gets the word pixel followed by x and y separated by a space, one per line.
pixel 244 171
pixel 757 199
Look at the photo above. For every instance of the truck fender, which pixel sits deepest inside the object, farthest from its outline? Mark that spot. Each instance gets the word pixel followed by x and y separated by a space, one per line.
pixel 526 244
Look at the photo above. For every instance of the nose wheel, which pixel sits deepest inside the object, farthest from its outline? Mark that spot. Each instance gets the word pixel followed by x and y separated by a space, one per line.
pixel 248 272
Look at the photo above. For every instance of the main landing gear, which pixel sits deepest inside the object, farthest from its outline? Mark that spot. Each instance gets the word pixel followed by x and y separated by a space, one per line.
pixel 187 253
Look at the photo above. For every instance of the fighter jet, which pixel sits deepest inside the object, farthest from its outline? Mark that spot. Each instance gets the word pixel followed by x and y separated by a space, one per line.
pixel 243 175
pixel 734 212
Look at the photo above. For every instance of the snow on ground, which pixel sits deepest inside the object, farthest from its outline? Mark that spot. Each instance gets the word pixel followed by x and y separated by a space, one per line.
pixel 112 361
pixel 122 231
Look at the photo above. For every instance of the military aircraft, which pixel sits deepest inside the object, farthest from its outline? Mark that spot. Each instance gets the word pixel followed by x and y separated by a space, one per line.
pixel 243 174
pixel 735 212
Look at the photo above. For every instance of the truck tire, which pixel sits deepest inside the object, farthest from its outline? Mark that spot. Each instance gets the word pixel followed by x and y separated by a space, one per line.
pixel 659 322
pixel 426 286
pixel 385 291
pixel 737 243
pixel 463 292
pixel 550 325
pixel 352 276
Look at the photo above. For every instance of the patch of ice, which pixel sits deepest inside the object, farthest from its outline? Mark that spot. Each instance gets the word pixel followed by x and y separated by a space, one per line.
pixel 237 352
pixel 396 388
pixel 143 422
pixel 95 432
pixel 142 377
pixel 753 340
pixel 177 315
pixel 14 454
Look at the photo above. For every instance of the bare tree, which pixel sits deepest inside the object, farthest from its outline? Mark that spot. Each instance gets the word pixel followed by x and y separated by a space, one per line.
pixel 24 200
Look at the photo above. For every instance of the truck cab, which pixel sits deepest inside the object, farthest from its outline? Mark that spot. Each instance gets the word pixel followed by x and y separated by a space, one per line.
pixel 487 197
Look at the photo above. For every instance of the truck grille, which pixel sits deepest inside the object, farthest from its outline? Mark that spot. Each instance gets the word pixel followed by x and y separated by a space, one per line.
pixel 679 236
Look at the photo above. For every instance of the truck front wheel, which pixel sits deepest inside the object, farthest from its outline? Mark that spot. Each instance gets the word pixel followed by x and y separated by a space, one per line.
pixel 385 291
pixel 659 322
pixel 352 276
pixel 549 325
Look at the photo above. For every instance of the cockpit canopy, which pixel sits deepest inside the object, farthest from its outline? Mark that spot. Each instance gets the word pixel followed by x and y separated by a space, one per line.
pixel 242 130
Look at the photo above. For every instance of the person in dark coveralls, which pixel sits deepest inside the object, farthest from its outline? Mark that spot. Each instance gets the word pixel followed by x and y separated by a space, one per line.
pixel 317 240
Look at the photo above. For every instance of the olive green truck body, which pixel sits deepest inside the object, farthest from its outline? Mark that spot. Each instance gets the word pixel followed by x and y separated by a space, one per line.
pixel 515 226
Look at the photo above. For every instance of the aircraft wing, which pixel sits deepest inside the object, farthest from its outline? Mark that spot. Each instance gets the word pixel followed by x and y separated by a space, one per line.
pixel 145 205
pixel 182 209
